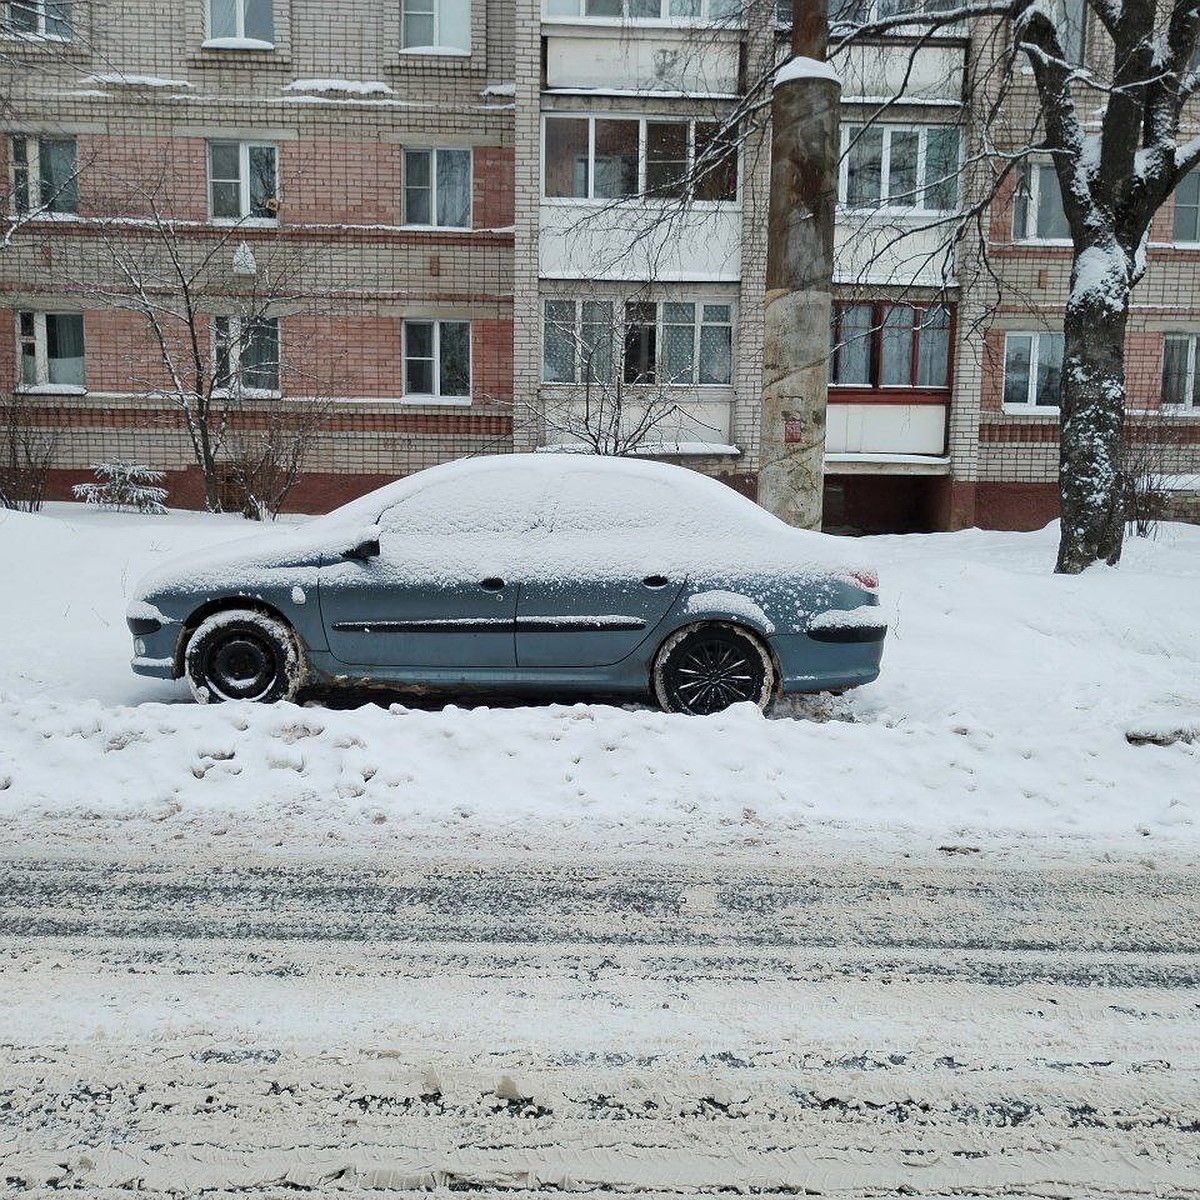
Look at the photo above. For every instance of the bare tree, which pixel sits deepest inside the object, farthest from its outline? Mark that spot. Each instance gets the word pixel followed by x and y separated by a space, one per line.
pixel 1112 126
pixel 1151 454
pixel 27 454
pixel 211 307
pixel 610 392
pixel 266 454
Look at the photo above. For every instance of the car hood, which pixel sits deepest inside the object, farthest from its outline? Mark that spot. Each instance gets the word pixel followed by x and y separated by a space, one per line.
pixel 245 564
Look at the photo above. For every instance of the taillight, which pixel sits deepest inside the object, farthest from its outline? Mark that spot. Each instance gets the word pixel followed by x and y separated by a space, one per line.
pixel 865 579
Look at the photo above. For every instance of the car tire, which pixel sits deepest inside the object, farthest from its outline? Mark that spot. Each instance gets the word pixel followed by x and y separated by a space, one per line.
pixel 703 669
pixel 243 654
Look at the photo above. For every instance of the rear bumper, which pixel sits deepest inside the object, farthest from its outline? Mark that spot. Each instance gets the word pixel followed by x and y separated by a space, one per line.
pixel 809 664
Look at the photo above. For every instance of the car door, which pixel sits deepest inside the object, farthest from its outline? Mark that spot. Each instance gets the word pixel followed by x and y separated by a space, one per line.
pixel 442 592
pixel 607 576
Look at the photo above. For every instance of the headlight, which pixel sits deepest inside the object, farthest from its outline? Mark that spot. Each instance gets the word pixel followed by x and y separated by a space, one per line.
pixel 139 647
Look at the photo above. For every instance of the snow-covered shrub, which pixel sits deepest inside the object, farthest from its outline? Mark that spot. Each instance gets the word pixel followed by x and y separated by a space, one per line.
pixel 124 486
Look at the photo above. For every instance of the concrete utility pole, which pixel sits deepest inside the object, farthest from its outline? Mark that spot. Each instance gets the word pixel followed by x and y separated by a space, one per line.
pixel 804 149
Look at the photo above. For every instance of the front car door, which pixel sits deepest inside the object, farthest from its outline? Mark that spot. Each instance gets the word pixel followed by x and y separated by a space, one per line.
pixel 608 576
pixel 442 592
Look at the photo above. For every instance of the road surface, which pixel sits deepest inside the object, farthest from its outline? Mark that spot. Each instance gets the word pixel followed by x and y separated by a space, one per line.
pixel 241 1029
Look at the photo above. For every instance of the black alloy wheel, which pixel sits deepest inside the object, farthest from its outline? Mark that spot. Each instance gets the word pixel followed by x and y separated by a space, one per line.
pixel 707 669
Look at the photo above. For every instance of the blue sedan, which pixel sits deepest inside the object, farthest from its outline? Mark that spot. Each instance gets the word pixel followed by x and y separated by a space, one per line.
pixel 548 572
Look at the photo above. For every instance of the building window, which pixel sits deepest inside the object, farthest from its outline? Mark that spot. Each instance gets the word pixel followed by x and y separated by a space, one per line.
pixel 1038 214
pixel 1070 17
pixel 243 182
pixel 693 11
pixel 608 158
pixel 1187 208
pixel 50 347
pixel 437 360
pixel 434 26
pixel 1179 383
pixel 577 341
pixel 863 12
pixel 43 175
pixel 891 166
pixel 242 20
pixel 1032 370
pixel 890 346
pixel 37 18
pixel 437 188
pixel 247 355
pixel 678 343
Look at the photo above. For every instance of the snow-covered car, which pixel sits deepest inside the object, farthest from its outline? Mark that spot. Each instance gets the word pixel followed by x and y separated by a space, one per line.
pixel 553 572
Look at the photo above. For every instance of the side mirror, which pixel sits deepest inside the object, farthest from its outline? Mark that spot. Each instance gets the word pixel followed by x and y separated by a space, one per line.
pixel 364 551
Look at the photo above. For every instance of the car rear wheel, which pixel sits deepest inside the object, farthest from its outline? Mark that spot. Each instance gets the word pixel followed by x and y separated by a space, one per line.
pixel 242 654
pixel 706 668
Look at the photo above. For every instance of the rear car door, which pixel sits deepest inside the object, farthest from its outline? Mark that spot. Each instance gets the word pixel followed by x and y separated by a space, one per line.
pixel 442 592
pixel 606 577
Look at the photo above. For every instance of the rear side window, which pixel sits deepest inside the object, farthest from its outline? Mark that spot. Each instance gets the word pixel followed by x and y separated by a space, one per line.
pixel 592 502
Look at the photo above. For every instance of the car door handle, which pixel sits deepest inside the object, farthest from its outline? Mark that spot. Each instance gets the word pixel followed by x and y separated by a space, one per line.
pixel 655 581
pixel 491 585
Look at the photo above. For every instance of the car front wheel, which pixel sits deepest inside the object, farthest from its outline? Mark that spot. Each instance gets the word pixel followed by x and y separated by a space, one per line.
pixel 242 654
pixel 704 669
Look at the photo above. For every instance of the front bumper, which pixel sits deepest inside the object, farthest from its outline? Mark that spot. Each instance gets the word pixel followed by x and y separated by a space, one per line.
pixel 154 644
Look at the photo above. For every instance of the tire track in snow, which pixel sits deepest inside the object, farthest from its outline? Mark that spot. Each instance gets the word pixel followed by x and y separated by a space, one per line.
pixel 248 1030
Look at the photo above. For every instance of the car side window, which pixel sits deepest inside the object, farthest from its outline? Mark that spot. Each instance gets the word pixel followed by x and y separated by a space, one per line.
pixel 596 502
pixel 490 503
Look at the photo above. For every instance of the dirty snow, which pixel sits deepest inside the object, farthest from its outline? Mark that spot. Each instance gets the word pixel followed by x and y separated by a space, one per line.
pixel 1015 707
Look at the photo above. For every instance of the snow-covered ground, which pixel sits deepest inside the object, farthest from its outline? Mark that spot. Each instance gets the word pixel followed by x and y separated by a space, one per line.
pixel 1017 710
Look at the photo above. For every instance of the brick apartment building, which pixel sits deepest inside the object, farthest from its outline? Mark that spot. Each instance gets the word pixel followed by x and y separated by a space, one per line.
pixel 465 224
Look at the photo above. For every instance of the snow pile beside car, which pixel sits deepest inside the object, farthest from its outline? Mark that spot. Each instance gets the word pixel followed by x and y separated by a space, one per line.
pixel 1012 703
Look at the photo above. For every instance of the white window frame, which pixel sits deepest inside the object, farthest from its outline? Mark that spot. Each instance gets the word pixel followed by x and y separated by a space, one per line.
pixel 240 34
pixel 576 10
pixel 438 46
pixel 33 176
pixel 885 163
pixel 244 148
pixel 235 346
pixel 1176 240
pixel 576 331
pixel 660 340
pixel 1032 172
pixel 1191 405
pixel 1030 405
pixel 40 34
pixel 436 396
pixel 642 157
pixel 41 355
pixel 433 152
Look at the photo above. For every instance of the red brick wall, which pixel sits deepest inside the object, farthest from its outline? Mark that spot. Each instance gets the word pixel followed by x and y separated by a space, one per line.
pixel 1015 505
pixel 492 361
pixel 329 182
pixel 345 356
pixel 494 188
pixel 118 174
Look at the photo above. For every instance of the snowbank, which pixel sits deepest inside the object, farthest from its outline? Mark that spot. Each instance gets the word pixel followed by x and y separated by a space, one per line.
pixel 1014 707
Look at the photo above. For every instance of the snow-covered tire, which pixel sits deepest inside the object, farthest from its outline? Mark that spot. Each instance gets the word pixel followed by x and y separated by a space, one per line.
pixel 702 669
pixel 243 654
